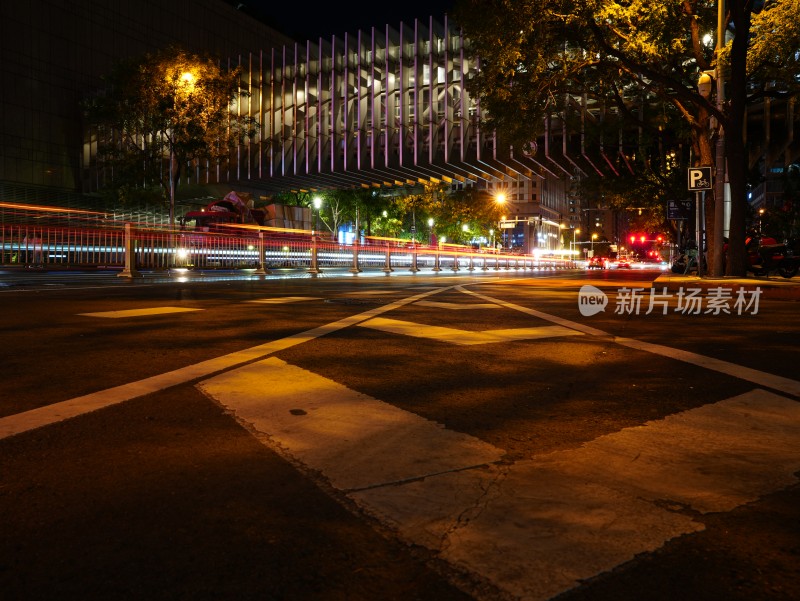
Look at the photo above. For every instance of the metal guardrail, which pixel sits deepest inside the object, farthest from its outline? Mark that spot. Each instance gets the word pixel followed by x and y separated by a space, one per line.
pixel 131 249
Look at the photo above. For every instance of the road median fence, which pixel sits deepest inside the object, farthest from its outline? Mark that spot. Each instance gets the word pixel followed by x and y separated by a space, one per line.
pixel 130 249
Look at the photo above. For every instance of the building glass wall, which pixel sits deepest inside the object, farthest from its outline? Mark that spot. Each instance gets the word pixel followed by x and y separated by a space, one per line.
pixel 54 53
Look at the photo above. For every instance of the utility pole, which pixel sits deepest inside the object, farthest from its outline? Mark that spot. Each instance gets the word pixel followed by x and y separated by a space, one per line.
pixel 717 259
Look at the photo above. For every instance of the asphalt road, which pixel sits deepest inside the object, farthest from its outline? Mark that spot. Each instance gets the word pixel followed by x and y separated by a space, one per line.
pixel 428 436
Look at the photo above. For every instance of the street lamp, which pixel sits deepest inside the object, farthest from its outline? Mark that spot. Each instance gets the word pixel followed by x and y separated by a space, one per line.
pixel 500 199
pixel 314 269
pixel 317 207
pixel 575 232
pixel 430 230
pixel 594 237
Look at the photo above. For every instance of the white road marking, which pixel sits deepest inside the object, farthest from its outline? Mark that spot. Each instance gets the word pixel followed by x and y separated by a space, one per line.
pixel 139 312
pixel 371 292
pixel 576 513
pixel 538 527
pixel 57 412
pixel 358 441
pixel 772 381
pixel 546 316
pixel 786 385
pixel 458 306
pixel 278 300
pixel 464 337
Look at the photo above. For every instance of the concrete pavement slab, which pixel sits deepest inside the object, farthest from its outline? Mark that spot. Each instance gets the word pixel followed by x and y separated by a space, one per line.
pixel 355 440
pixel 537 527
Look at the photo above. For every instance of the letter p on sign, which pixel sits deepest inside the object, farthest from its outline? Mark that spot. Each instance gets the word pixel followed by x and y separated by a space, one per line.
pixel 699 178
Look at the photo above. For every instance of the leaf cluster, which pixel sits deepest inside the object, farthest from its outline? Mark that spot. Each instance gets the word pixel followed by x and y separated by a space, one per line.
pixel 773 55
pixel 170 103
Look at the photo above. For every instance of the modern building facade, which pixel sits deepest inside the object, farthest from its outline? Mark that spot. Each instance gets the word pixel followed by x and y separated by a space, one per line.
pixel 54 53
pixel 380 109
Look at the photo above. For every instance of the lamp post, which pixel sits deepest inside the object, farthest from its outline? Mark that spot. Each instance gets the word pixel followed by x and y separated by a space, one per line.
pixel 430 230
pixel 317 207
pixel 314 269
pixel 594 237
pixel 356 239
pixel 500 199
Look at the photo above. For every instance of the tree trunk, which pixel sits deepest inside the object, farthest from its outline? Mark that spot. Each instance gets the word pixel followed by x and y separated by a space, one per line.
pixel 734 138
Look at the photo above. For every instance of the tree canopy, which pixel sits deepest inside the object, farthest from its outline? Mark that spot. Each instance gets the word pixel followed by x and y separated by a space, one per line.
pixel 535 55
pixel 162 112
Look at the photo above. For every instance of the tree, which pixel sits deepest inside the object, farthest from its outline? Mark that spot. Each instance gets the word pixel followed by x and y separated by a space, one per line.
pixel 534 56
pixel 161 113
pixel 451 211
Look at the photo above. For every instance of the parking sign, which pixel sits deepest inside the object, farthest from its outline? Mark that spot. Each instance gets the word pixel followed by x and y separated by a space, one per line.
pixel 699 179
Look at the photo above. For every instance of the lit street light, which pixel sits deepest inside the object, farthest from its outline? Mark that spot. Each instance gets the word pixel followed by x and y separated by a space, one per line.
pixel 594 237
pixel 500 199
pixel 314 269
pixel 317 207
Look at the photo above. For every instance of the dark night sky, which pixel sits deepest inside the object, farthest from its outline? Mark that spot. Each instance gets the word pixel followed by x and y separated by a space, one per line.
pixel 303 20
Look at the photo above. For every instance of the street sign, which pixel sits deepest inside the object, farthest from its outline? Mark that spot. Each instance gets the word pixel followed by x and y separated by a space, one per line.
pixel 508 225
pixel 679 210
pixel 699 179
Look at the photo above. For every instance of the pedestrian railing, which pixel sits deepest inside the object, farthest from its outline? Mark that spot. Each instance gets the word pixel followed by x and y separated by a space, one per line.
pixel 131 249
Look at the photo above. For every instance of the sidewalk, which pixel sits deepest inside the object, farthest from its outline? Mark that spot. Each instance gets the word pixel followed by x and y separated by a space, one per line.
pixel 772 287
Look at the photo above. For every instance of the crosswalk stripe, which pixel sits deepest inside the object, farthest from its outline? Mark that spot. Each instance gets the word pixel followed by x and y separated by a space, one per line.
pixel 534 528
pixel 358 441
pixel 139 312
pixel 278 300
pixel 12 425
pixel 465 337
pixel 457 306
